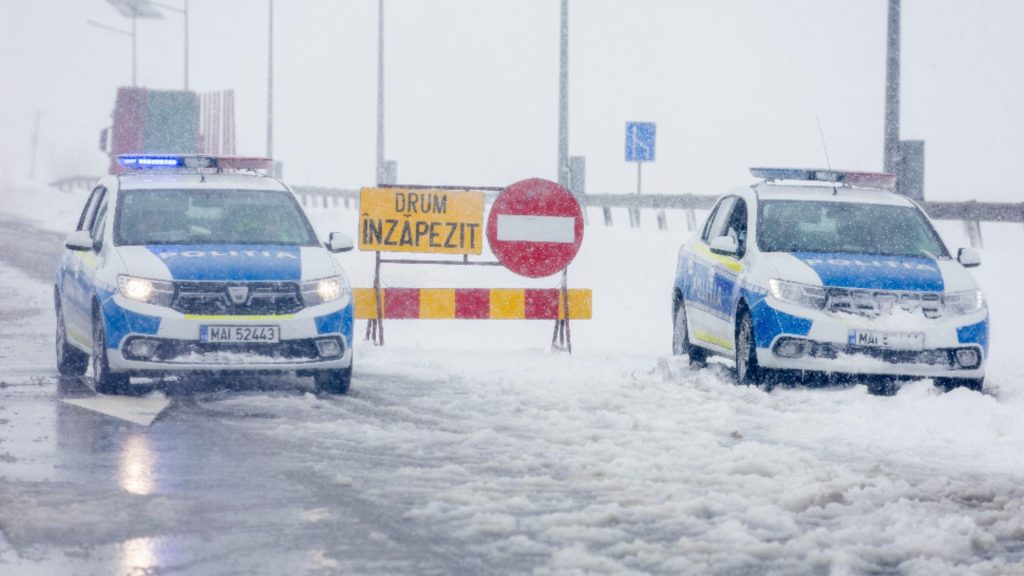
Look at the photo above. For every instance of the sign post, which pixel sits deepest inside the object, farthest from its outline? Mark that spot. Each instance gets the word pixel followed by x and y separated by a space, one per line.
pixel 640 140
pixel 535 228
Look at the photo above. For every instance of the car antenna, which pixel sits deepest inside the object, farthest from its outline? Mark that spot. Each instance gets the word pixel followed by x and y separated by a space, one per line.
pixel 828 163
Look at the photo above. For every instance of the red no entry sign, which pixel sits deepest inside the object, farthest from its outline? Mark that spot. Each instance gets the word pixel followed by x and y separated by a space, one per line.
pixel 535 227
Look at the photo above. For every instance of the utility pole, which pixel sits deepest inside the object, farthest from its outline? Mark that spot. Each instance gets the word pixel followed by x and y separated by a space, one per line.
pixel 133 9
pixel 891 159
pixel 185 14
pixel 381 175
pixel 270 82
pixel 35 147
pixel 563 98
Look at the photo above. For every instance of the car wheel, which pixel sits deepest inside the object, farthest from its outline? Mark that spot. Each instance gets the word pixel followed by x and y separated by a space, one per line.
pixel 70 360
pixel 748 372
pixel 882 386
pixel 681 338
pixel 947 384
pixel 104 381
pixel 334 381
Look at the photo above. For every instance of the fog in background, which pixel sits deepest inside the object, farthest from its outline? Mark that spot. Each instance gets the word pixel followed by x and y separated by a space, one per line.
pixel 472 86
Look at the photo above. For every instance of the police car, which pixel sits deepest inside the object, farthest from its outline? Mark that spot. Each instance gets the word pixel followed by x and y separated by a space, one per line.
pixel 186 264
pixel 828 271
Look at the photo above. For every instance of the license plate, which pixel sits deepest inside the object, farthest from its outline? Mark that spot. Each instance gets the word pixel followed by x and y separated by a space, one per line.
pixel 263 334
pixel 892 340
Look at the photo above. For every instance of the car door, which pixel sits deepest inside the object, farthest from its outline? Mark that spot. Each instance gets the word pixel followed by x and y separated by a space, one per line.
pixel 728 275
pixel 702 295
pixel 84 265
pixel 71 283
pixel 94 260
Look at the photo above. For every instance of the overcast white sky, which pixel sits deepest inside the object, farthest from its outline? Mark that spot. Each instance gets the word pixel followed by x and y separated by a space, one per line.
pixel 473 86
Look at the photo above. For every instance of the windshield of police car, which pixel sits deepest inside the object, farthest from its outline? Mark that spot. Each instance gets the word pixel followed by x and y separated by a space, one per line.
pixel 211 217
pixel 843 227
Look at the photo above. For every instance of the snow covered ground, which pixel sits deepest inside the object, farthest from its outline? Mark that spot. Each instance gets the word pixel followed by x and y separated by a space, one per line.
pixel 621 459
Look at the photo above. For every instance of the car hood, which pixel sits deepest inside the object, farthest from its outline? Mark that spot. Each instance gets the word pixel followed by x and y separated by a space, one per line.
pixel 871 271
pixel 241 263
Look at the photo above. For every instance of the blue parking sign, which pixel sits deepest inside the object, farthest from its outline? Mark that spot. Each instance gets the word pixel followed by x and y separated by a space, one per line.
pixel 640 141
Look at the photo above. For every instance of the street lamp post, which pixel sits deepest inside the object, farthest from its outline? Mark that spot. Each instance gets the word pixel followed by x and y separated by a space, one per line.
pixel 381 176
pixel 123 33
pixel 563 98
pixel 270 81
pixel 891 159
pixel 133 9
pixel 184 12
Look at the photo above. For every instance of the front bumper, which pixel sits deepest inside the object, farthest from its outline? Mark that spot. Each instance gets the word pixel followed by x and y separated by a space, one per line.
pixel 315 338
pixel 794 338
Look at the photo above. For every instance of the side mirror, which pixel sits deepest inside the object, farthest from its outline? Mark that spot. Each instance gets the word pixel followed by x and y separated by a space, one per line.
pixel 80 241
pixel 725 245
pixel 969 257
pixel 339 242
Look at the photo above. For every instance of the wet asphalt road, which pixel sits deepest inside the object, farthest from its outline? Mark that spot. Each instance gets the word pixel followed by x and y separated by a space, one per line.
pixel 201 490
pixel 33 250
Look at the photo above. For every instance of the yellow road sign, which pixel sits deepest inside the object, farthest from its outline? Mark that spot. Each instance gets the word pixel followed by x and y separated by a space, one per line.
pixel 435 221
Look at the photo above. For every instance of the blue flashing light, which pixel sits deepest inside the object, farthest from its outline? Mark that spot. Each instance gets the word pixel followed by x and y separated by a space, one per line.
pixel 192 161
pixel 150 161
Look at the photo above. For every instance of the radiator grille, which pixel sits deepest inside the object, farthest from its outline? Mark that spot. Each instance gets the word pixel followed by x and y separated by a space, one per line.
pixel 237 298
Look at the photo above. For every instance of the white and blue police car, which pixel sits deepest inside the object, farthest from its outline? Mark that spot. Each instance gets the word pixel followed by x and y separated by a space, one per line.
pixel 825 271
pixel 200 264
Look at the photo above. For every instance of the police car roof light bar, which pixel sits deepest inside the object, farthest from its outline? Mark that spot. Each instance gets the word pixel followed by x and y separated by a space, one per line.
pixel 192 161
pixel 861 179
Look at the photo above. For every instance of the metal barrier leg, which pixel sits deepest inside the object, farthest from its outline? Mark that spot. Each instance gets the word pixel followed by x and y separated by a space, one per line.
pixel 973 230
pixel 662 220
pixel 691 219
pixel 607 210
pixel 634 217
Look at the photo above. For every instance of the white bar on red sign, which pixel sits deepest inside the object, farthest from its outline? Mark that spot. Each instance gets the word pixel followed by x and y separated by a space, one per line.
pixel 518 228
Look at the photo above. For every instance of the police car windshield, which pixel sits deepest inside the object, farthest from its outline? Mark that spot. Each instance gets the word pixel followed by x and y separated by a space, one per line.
pixel 211 217
pixel 843 227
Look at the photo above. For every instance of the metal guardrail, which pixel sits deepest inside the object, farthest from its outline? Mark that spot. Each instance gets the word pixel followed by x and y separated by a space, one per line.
pixel 970 211
pixel 73 182
pixel 963 211
pixel 975 211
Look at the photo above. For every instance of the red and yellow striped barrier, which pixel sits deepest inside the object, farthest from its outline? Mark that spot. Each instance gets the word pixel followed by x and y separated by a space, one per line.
pixel 473 304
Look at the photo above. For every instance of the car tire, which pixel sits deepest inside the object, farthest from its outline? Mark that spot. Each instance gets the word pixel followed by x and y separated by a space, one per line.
pixel 333 381
pixel 748 372
pixel 681 345
pixel 882 386
pixel 947 384
pixel 70 360
pixel 104 381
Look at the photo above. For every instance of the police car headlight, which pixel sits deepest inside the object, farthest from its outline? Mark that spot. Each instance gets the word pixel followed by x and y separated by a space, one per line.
pixel 325 290
pixel 799 294
pixel 157 292
pixel 960 303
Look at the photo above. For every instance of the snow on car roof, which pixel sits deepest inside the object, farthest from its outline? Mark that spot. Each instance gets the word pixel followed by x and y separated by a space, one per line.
pixel 767 191
pixel 193 180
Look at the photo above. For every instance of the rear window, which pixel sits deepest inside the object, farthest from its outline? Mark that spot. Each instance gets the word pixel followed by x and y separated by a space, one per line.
pixel 830 227
pixel 211 217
